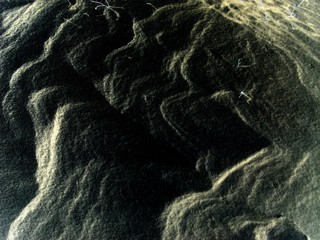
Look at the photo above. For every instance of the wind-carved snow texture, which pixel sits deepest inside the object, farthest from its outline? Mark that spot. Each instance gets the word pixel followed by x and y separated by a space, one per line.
pixel 155 120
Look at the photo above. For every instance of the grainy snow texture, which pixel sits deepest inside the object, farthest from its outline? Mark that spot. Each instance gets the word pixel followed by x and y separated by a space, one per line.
pixel 169 119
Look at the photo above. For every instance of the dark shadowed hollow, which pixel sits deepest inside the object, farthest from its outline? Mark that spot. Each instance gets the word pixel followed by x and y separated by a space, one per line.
pixel 150 119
